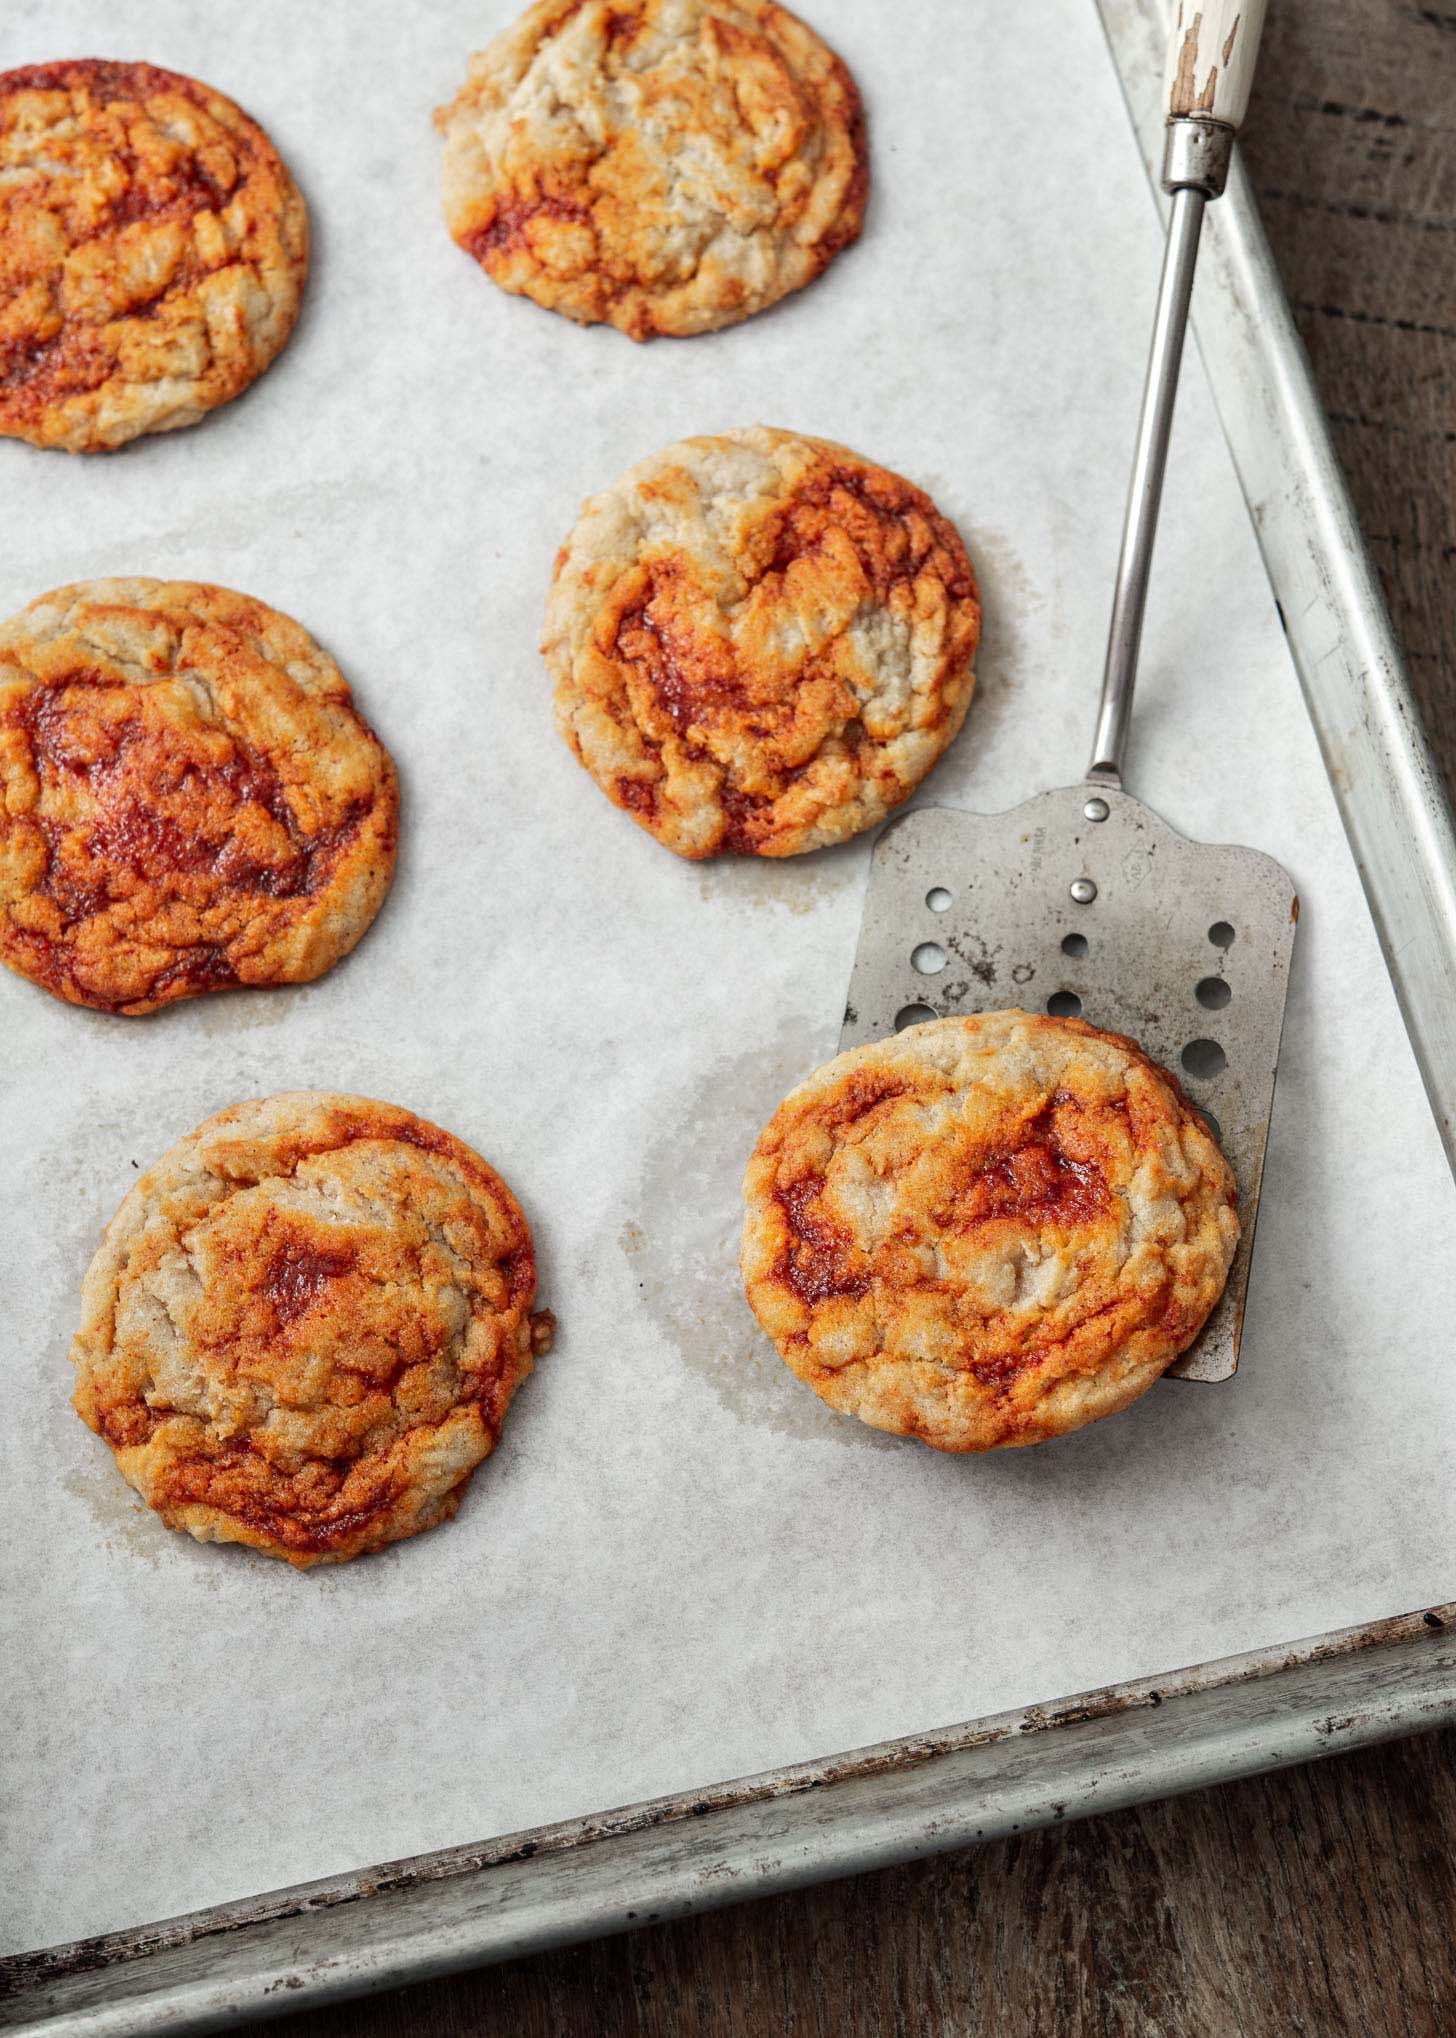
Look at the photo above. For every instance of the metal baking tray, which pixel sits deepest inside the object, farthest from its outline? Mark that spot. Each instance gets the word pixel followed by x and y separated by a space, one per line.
pixel 699 1841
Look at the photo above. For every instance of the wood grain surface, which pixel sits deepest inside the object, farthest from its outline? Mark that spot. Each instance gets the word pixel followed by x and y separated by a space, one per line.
pixel 1321 1901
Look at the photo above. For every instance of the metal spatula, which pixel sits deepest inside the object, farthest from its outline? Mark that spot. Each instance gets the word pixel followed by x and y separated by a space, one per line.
pixel 1083 900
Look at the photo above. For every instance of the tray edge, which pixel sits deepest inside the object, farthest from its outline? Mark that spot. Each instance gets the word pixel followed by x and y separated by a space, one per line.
pixel 410 1921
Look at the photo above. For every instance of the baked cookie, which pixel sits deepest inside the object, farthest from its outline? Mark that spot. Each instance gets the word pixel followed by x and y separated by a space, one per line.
pixel 305 1325
pixel 988 1230
pixel 152 252
pixel 761 643
pixel 189 799
pixel 664 166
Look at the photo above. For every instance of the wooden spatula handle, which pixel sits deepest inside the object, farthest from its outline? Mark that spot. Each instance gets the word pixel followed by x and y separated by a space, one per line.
pixel 1211 55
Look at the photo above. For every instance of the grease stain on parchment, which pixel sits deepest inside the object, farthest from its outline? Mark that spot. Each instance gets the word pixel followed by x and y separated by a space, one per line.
pixel 1008 593
pixel 682 1245
pixel 232 527
pixel 123 1519
pixel 795 884
pixel 125 1524
pixel 244 1011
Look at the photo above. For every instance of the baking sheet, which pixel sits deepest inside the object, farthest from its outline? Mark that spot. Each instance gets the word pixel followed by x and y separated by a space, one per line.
pixel 678 1567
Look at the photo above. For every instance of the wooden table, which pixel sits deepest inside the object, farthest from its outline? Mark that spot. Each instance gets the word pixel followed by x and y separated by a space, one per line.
pixel 1322 1901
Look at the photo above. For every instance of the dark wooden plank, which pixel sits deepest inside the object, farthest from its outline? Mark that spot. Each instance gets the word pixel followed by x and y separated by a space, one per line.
pixel 1318 1902
pixel 1352 142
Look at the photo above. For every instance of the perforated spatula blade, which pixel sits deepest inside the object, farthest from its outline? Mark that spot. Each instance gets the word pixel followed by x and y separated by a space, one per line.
pixel 1183 946
pixel 1084 901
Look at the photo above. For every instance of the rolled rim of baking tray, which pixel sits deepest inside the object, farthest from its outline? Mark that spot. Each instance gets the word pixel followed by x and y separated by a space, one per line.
pixel 1183 1730
pixel 409 1921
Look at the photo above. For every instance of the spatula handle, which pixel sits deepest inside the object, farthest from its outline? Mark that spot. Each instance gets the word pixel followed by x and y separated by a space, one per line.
pixel 1211 57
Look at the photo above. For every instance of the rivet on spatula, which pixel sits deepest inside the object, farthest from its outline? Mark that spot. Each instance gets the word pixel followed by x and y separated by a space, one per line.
pixel 1083 890
pixel 1096 810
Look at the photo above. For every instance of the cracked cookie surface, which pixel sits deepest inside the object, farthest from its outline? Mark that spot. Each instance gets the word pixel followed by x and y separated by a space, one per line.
pixel 986 1231
pixel 760 642
pixel 305 1325
pixel 189 800
pixel 153 250
pixel 665 166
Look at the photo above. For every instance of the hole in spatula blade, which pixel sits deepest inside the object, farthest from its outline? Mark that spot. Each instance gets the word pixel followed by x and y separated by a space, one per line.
pixel 1064 1005
pixel 1213 994
pixel 913 1015
pixel 1204 1059
pixel 929 958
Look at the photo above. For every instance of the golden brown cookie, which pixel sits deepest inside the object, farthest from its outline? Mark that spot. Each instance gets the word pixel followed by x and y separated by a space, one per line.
pixel 761 642
pixel 189 799
pixel 665 166
pixel 152 252
pixel 305 1325
pixel 986 1231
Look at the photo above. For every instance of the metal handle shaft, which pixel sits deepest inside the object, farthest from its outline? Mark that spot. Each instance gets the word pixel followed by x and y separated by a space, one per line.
pixel 1195 166
pixel 1145 491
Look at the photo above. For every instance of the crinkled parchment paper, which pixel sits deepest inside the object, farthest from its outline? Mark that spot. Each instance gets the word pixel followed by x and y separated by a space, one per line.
pixel 679 1567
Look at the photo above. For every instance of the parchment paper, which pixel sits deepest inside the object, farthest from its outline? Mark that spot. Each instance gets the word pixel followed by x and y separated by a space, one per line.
pixel 678 1567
